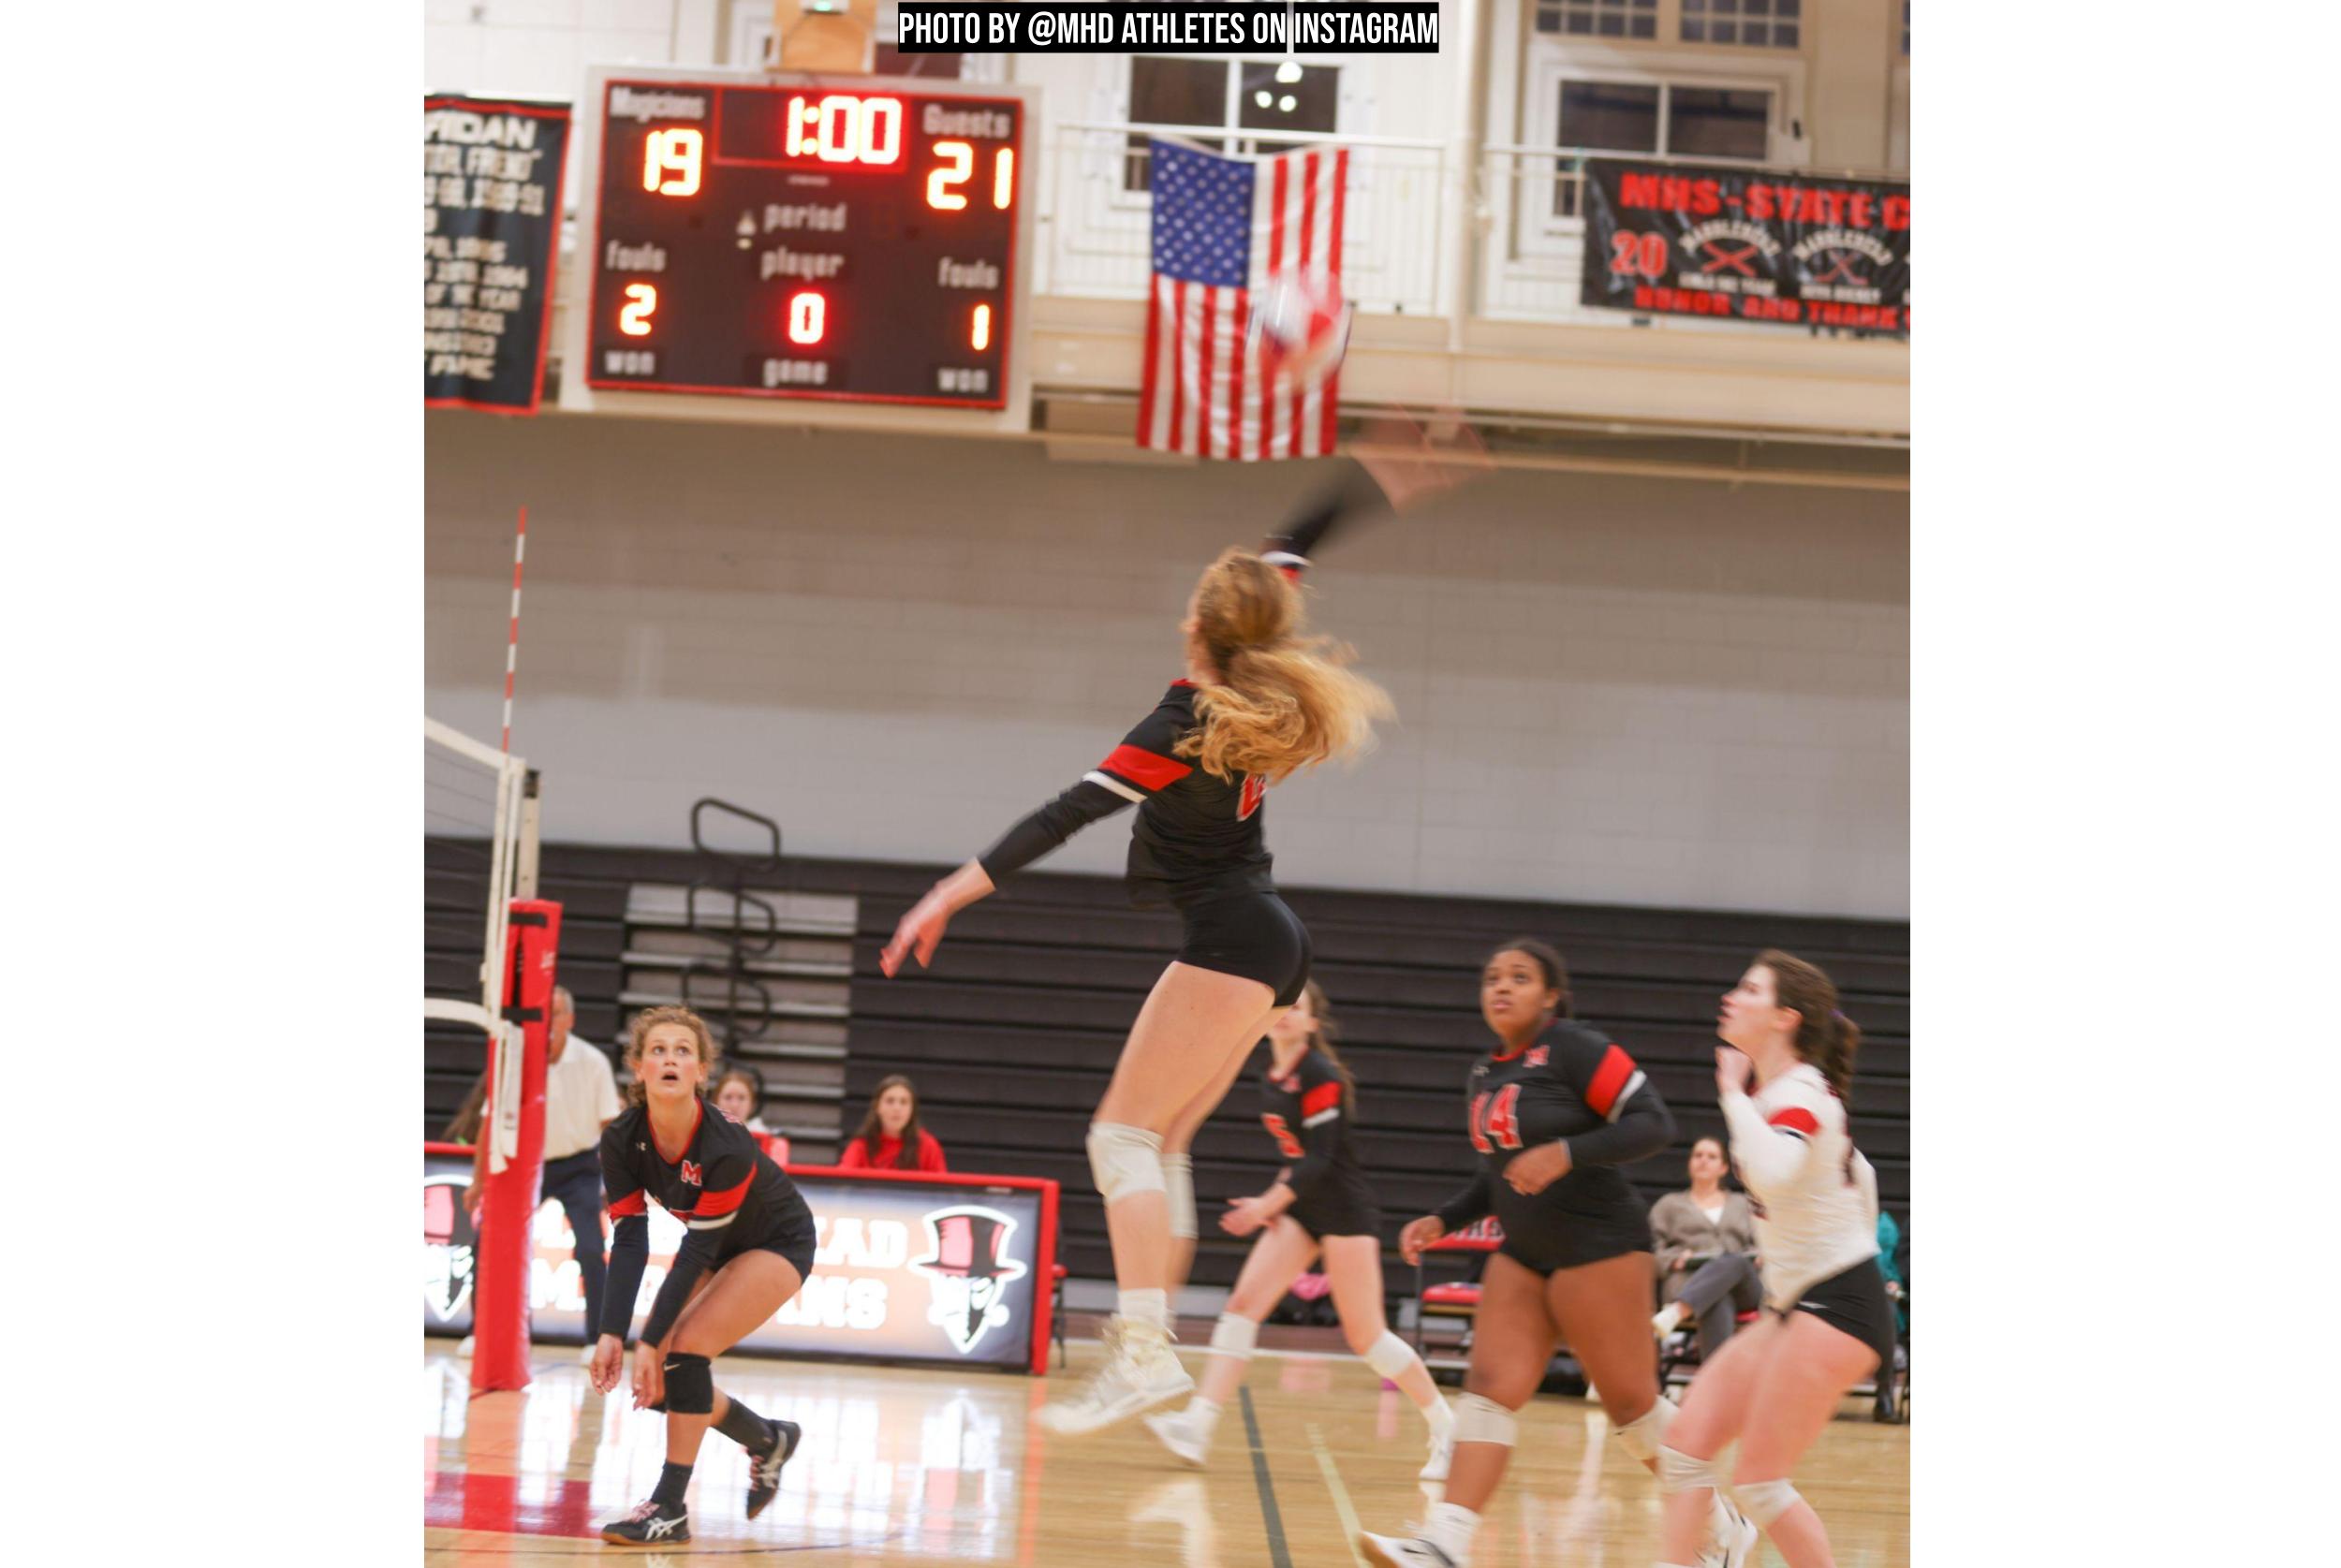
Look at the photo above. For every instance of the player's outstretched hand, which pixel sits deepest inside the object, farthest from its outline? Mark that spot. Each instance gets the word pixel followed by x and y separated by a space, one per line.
pixel 1417 1235
pixel 650 1375
pixel 1413 460
pixel 918 934
pixel 609 1360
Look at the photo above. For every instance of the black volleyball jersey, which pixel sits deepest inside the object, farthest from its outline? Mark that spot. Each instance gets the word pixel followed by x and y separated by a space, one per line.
pixel 1304 1116
pixel 721 1184
pixel 1197 836
pixel 1573 1083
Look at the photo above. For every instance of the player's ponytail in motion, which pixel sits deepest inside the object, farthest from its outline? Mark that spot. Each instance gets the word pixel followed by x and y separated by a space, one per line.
pixel 1322 1038
pixel 1825 1037
pixel 1285 700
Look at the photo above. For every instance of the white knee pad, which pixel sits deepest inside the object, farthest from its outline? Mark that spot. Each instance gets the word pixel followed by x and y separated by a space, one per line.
pixel 1178 1188
pixel 1390 1355
pixel 1480 1419
pixel 1644 1435
pixel 1765 1501
pixel 1234 1336
pixel 1679 1472
pixel 1123 1160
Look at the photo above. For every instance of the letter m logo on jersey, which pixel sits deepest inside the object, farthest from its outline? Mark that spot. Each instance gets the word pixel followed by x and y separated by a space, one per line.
pixel 691 1173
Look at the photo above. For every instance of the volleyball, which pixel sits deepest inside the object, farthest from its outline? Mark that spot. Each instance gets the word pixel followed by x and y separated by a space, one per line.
pixel 1300 326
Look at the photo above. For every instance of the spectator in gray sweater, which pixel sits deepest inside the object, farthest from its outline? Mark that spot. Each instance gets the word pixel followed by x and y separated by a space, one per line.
pixel 1705 1241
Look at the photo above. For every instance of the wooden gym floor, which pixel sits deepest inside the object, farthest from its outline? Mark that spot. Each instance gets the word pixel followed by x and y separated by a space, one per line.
pixel 942 1466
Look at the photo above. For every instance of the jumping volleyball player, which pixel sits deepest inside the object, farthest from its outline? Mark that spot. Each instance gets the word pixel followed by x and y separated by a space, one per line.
pixel 1553 1112
pixel 1321 1204
pixel 1260 701
pixel 1827 1323
pixel 744 1219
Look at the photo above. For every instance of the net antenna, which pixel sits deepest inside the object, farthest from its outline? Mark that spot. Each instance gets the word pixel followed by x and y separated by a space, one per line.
pixel 479 854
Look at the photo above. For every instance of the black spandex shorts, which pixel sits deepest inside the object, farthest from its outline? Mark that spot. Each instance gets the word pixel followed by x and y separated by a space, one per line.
pixel 1853 1302
pixel 789 1234
pixel 1251 934
pixel 1338 1208
pixel 1573 1245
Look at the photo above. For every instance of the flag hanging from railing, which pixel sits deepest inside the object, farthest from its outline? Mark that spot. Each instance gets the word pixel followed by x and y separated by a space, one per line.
pixel 1225 228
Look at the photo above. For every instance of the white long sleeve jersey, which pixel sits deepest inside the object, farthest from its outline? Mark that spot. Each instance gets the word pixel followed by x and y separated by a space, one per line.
pixel 1815 1197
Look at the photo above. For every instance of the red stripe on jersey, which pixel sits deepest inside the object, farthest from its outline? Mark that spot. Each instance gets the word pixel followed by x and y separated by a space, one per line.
pixel 630 1205
pixel 1608 1079
pixel 1292 574
pixel 1325 1096
pixel 1796 1119
pixel 1144 768
pixel 714 1204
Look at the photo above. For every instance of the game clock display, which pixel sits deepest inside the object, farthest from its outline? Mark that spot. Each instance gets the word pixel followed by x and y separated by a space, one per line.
pixel 848 241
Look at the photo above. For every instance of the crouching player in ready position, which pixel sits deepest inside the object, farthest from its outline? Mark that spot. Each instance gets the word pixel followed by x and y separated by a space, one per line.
pixel 1318 1205
pixel 746 1249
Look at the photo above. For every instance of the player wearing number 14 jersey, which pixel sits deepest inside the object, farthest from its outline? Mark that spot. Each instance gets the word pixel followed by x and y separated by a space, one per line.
pixel 1553 1112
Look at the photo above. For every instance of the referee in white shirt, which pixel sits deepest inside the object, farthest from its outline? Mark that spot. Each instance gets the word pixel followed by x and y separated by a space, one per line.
pixel 580 1098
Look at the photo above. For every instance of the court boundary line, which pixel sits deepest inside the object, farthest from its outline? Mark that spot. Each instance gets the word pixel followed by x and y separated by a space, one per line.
pixel 1342 1505
pixel 1277 1555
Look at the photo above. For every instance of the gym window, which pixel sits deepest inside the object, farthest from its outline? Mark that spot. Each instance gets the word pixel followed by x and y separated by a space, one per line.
pixel 1754 23
pixel 1230 103
pixel 1598 18
pixel 1729 124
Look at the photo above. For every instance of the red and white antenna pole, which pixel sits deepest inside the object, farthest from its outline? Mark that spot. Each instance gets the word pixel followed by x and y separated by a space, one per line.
pixel 512 645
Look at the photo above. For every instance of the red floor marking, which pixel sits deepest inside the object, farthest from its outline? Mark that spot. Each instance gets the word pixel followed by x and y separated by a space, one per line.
pixel 452 1500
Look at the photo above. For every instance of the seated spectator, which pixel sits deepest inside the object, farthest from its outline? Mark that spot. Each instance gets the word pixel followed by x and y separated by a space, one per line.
pixel 739 1095
pixel 1704 1241
pixel 890 1136
pixel 1889 1243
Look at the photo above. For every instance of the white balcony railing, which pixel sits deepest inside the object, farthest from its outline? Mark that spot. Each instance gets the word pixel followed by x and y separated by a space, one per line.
pixel 1398 210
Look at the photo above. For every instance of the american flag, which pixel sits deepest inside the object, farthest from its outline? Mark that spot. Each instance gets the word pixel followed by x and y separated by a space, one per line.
pixel 1222 227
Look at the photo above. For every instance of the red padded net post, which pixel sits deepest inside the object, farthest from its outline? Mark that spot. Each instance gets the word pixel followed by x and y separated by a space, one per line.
pixel 500 1300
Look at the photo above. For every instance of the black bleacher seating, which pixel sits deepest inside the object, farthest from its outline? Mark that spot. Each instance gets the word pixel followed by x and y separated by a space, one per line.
pixel 1013 1033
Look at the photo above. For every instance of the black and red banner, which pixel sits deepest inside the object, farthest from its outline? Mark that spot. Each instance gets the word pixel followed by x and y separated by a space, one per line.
pixel 491 228
pixel 1747 244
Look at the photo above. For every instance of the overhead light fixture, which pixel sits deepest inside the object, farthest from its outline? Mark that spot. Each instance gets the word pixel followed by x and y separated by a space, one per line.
pixel 1263 99
pixel 1287 102
pixel 1289 72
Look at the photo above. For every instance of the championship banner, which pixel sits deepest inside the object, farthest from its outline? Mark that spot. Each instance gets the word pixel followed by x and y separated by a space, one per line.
pixel 951 1270
pixel 1747 244
pixel 491 229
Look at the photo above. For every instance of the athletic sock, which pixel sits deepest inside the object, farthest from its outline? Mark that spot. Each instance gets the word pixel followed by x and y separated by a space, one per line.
pixel 745 1427
pixel 671 1480
pixel 1146 1309
pixel 1451 1528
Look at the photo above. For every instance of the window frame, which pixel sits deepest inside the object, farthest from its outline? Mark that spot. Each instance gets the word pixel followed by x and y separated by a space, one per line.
pixel 1540 232
pixel 1803 21
pixel 1230 137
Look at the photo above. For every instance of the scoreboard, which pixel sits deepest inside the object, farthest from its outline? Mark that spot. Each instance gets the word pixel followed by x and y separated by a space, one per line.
pixel 855 240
